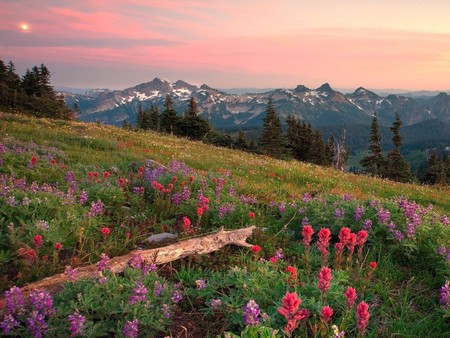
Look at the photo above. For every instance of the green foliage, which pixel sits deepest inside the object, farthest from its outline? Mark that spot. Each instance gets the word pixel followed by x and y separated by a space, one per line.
pixel 271 142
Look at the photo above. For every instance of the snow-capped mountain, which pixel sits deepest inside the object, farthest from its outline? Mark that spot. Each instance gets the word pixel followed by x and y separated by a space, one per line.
pixel 321 106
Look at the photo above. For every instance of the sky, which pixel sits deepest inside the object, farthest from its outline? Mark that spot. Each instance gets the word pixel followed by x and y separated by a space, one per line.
pixel 376 44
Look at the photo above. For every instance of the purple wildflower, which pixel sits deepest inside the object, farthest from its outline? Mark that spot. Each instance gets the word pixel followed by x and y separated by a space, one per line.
pixel 8 323
pixel 227 208
pixel 136 261
pixel 442 250
pixel 177 296
pixel 96 208
pixel 83 197
pixel 11 201
pixel 76 324
pixel 42 301
pixel 42 225
pixel 279 254
pixel 103 263
pixel 307 197
pixel 101 279
pixel 445 220
pixel 182 196
pixel 165 310
pixel 445 296
pixel 367 225
pixel 305 221
pixel 158 288
pixel 147 268
pixel 130 329
pixel 232 191
pixel 383 215
pixel 139 294
pixel 36 324
pixel 201 284
pixel 34 187
pixel 282 207
pixel 347 197
pixel 251 313
pixel 26 201
pixel 70 177
pixel 215 303
pixel 70 273
pixel 339 212
pixel 358 213
pixel 14 300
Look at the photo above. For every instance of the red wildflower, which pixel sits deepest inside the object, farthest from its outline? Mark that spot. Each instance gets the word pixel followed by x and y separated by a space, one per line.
pixel 186 223
pixel 324 235
pixel 373 265
pixel 53 161
pixel 362 238
pixel 350 296
pixel 344 235
pixel 292 274
pixel 307 233
pixel 199 211
pixel 34 160
pixel 58 246
pixel 105 231
pixel 362 315
pixel 106 174
pixel 273 260
pixel 256 248
pixel 37 240
pixel 174 179
pixel 289 309
pixel 326 313
pixel 324 279
pixel 141 169
pixel 127 235
pixel 351 242
pixel 191 178
pixel 251 214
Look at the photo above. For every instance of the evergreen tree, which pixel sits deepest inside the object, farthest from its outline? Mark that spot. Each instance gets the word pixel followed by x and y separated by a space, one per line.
pixel 169 117
pixel 397 168
pixel 126 125
pixel 155 118
pixel 317 150
pixel 191 125
pixel 374 161
pixel 435 173
pixel 140 118
pixel 271 141
pixel 241 142
pixel 329 151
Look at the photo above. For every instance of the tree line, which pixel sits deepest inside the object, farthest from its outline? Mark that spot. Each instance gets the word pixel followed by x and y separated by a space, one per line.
pixel 31 93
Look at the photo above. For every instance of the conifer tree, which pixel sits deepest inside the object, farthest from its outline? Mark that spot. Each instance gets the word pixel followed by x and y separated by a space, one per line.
pixel 329 151
pixel 241 142
pixel 192 125
pixel 155 118
pixel 271 141
pixel 397 168
pixel 140 118
pixel 435 172
pixel 169 117
pixel 374 161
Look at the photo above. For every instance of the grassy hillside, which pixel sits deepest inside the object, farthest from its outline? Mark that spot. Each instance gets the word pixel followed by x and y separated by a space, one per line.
pixel 332 251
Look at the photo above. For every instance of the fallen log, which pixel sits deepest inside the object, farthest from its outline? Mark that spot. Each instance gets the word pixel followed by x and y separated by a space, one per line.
pixel 194 246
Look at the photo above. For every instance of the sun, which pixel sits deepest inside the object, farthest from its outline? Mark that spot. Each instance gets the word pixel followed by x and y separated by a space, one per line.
pixel 25 27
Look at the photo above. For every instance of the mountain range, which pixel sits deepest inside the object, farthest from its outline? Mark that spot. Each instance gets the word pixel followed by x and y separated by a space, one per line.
pixel 323 107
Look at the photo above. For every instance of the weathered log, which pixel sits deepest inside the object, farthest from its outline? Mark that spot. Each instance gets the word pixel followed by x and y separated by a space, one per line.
pixel 194 246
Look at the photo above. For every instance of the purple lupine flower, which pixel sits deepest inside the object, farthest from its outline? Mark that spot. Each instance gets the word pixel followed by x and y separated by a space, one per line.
pixel 158 288
pixel 177 296
pixel 42 225
pixel 442 250
pixel 101 279
pixel 70 176
pixel 70 273
pixel 36 324
pixel 282 207
pixel 147 268
pixel 130 329
pixel 410 229
pixel 232 191
pixel 83 197
pixel 251 313
pixel 227 208
pixel 26 201
pixel 139 294
pixel 20 184
pixel 11 201
pixel 138 191
pixel 248 199
pixel 347 197
pixel 42 301
pixel 374 203
pixel 398 235
pixel 305 221
pixel 445 295
pixel 165 310
pixel 445 220
pixel 339 212
pixel 358 213
pixel 201 284
pixel 383 215
pixel 215 303
pixel 76 324
pixel 103 263
pixel 8 323
pixel 219 187
pixel 136 261
pixel 34 187
pixel 14 300
pixel 306 197
pixel 96 208
pixel 367 225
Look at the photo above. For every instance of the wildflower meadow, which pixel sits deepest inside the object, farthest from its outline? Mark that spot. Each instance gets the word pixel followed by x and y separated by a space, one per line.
pixel 332 254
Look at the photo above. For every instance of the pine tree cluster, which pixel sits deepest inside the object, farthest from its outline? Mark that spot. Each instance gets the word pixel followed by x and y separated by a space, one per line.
pixel 32 93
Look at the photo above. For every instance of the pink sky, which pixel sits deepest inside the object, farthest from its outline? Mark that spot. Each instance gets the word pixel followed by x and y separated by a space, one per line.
pixel 259 44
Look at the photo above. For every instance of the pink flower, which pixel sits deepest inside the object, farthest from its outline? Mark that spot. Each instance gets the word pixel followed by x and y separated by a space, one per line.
pixel 105 231
pixel 351 242
pixel 362 315
pixel 373 265
pixel 272 260
pixel 256 248
pixel 350 295
pixel 289 310
pixel 58 246
pixel 324 279
pixel 307 233
pixel 199 211
pixel 324 235
pixel 106 174
pixel 251 214
pixel 362 238
pixel 326 313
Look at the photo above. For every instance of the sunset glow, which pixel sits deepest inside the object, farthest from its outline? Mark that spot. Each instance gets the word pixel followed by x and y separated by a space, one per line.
pixel 348 43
